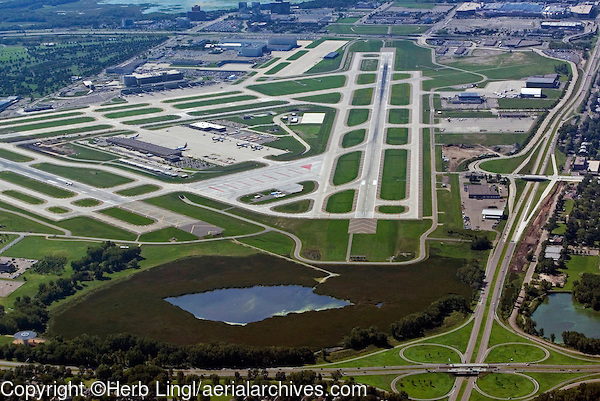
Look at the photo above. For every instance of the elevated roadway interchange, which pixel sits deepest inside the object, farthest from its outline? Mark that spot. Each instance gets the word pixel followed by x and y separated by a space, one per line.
pixel 230 188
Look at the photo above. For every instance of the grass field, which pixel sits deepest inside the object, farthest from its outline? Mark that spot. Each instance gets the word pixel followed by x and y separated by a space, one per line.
pixel 85 153
pixel 392 238
pixel 23 197
pixel 316 135
pixel 517 353
pixel 166 235
pixel 14 157
pixel 341 202
pixel 47 124
pixel 86 202
pixel 189 98
pixel 353 138
pixel 151 120
pixel 272 242
pixel 95 178
pixel 230 225
pixel 389 209
pixel 35 185
pixel 357 29
pixel 277 68
pixel 300 85
pixel 410 57
pixel 503 166
pixel 329 98
pixel 578 265
pixel 50 116
pixel 213 101
pixel 357 116
pixel 400 95
pixel 89 227
pixel 240 108
pixel 362 97
pixel 396 136
pixel 398 116
pixel 135 112
pixel 505 385
pixel 514 65
pixel 364 79
pixel 58 210
pixel 124 107
pixel 13 222
pixel 370 64
pixel 139 190
pixel 408 29
pixel 295 207
pixel 482 139
pixel 63 132
pixel 347 168
pixel 127 216
pixel 431 353
pixel 393 179
pixel 297 55
pixel 426 385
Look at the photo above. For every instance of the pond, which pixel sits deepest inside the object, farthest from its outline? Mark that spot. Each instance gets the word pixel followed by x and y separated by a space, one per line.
pixel 240 306
pixel 558 313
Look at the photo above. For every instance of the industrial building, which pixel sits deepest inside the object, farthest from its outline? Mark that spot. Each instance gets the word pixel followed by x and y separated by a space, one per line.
pixel 531 92
pixel 545 81
pixel 206 126
pixel 285 43
pixel 149 79
pixel 6 102
pixel 253 50
pixel 582 10
pixel 478 191
pixel 562 25
pixel 168 154
pixel 492 214
pixel 467 9
pixel 197 14
pixel 468 97
pixel 126 68
pixel 331 55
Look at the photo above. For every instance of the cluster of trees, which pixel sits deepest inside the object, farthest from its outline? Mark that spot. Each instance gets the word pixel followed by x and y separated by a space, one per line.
pixel 582 225
pixel 415 324
pixel 45 69
pixel 471 274
pixel 511 290
pixel 27 314
pixel 360 338
pixel 562 69
pixel 581 343
pixel 129 351
pixel 587 291
pixel 50 265
pixel 31 314
pixel 583 392
pixel 107 258
pixel 481 243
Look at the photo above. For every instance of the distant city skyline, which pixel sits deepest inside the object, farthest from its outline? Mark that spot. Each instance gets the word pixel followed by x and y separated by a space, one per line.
pixel 178 6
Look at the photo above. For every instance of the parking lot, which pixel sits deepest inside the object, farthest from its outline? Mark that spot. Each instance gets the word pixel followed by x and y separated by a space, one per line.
pixel 472 208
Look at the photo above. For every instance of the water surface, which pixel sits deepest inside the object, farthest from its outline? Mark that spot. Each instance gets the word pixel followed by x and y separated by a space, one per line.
pixel 558 313
pixel 247 305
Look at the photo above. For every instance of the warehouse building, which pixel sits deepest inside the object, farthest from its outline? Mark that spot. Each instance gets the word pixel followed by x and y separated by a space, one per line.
pixel 531 92
pixel 172 155
pixel 492 214
pixel 478 191
pixel 544 81
pixel 468 97
pixel 284 43
pixel 331 55
pixel 149 79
